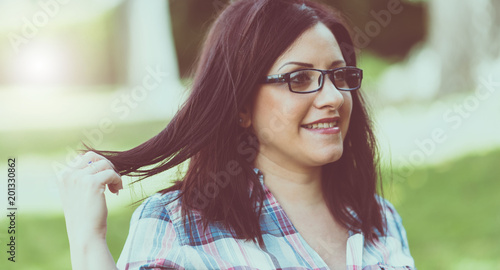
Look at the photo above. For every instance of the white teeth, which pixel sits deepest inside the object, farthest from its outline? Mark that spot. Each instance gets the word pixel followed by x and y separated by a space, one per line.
pixel 322 125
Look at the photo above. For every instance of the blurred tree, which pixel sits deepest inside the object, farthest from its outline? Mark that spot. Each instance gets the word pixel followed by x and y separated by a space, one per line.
pixel 464 34
pixel 190 22
pixel 192 18
pixel 387 34
pixel 149 64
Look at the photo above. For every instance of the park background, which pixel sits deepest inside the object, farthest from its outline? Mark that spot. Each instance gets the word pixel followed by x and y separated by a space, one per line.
pixel 75 71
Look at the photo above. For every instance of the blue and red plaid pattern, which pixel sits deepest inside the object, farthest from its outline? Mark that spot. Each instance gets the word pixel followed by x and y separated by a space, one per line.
pixel 158 240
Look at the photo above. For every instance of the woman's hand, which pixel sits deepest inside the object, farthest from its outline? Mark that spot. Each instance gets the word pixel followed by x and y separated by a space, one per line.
pixel 82 193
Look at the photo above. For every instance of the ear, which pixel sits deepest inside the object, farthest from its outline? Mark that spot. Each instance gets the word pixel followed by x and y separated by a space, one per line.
pixel 246 117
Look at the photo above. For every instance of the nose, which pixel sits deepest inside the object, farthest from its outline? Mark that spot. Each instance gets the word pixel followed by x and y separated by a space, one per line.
pixel 329 96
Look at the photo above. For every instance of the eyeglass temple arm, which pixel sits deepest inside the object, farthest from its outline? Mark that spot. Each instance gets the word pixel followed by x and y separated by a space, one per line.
pixel 275 78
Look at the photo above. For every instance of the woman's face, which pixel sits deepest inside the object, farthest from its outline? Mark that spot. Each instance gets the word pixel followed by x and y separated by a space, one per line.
pixel 282 119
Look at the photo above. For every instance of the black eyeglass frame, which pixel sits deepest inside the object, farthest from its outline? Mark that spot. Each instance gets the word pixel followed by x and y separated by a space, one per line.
pixel 285 78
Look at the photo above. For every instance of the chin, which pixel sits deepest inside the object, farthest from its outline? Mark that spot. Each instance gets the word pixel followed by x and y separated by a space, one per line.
pixel 328 157
pixel 335 158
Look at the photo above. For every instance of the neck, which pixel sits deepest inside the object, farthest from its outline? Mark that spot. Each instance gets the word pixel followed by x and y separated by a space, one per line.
pixel 298 187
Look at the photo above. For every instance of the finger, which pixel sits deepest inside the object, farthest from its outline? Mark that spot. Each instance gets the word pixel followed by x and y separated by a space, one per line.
pixel 85 159
pixel 111 178
pixel 91 156
pixel 98 166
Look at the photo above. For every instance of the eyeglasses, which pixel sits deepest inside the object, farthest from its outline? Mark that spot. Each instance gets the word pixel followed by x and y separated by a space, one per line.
pixel 311 80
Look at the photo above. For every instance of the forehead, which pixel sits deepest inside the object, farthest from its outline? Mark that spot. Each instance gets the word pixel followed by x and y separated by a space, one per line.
pixel 317 46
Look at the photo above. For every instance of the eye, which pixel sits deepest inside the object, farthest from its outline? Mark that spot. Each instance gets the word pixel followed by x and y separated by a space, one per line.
pixel 346 78
pixel 339 75
pixel 353 78
pixel 304 80
pixel 301 77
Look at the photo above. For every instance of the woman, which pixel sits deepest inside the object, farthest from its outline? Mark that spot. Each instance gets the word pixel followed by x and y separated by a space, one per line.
pixel 282 165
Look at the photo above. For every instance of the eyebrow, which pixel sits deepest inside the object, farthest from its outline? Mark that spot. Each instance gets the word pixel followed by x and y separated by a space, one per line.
pixel 335 63
pixel 298 64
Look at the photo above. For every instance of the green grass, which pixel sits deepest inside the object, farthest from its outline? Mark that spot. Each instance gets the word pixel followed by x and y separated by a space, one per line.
pixel 451 213
pixel 42 242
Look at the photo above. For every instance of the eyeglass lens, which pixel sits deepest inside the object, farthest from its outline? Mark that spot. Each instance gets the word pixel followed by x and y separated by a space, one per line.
pixel 310 80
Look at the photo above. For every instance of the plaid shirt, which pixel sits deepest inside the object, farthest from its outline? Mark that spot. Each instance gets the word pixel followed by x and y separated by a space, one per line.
pixel 158 240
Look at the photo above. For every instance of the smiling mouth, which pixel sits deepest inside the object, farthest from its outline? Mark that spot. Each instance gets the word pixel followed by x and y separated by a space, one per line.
pixel 322 125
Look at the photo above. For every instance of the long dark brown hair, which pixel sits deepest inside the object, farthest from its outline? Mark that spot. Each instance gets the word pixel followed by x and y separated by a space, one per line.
pixel 242 45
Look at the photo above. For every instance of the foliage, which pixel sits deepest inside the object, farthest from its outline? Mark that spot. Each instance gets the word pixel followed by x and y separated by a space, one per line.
pixel 192 18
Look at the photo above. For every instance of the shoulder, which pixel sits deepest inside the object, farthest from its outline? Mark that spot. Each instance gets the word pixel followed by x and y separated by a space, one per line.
pixel 157 215
pixel 161 206
pixel 393 221
pixel 392 248
pixel 389 210
pixel 163 213
pixel 153 239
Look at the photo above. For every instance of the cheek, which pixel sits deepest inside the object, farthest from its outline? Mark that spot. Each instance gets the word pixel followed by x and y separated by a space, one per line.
pixel 263 106
pixel 276 112
pixel 347 106
pixel 345 112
